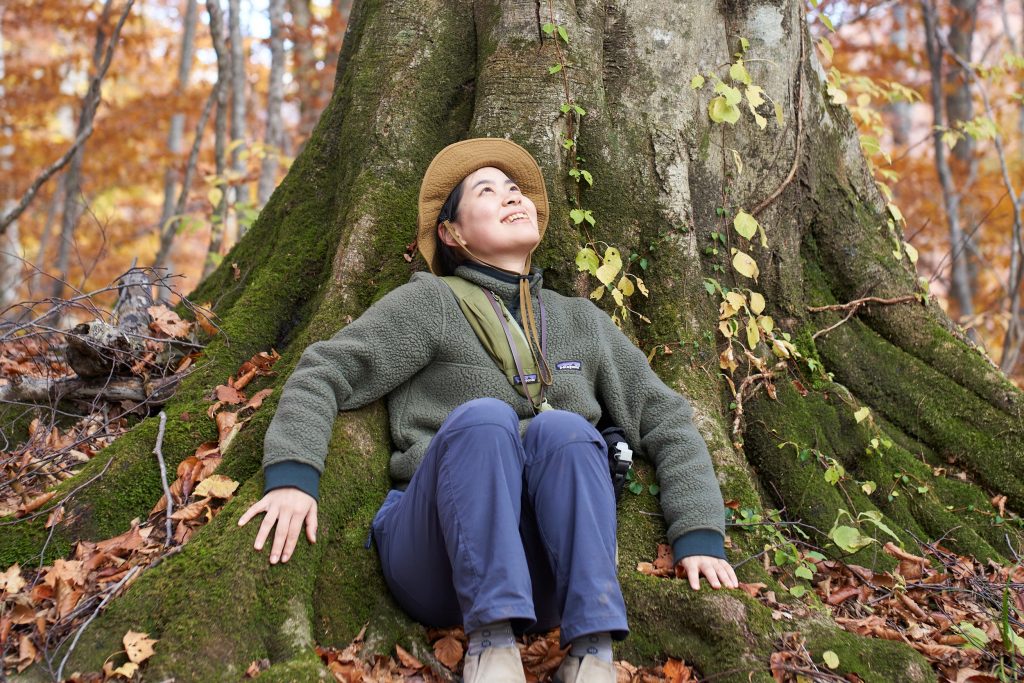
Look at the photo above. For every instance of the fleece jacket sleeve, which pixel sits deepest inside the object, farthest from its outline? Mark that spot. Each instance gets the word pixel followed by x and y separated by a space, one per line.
pixel 364 361
pixel 660 421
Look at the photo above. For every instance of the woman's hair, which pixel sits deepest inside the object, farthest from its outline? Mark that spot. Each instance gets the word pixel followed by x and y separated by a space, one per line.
pixel 448 257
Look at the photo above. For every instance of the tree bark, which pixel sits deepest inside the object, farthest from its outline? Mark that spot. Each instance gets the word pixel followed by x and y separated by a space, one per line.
pixel 73 205
pixel 305 67
pixel 175 136
pixel 238 189
pixel 218 221
pixel 275 97
pixel 414 76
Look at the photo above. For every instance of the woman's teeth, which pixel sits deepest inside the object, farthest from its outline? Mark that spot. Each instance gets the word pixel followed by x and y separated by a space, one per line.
pixel 515 217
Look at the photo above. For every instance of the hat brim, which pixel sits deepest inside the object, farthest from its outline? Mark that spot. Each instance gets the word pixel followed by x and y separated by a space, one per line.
pixel 458 160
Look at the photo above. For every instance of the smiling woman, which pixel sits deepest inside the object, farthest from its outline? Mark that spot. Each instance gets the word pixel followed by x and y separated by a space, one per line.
pixel 503 517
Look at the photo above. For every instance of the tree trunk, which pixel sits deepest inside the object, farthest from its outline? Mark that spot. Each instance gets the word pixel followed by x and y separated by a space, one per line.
pixel 275 97
pixel 238 188
pixel 73 205
pixel 414 76
pixel 305 67
pixel 175 137
pixel 218 221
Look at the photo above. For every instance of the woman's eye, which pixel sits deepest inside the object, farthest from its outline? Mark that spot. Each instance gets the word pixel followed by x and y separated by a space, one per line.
pixel 485 189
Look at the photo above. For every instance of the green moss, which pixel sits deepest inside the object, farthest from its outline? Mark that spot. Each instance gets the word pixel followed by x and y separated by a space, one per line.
pixel 305 667
pixel 872 659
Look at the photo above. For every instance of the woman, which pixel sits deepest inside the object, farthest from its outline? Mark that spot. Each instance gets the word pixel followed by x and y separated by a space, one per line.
pixel 504 515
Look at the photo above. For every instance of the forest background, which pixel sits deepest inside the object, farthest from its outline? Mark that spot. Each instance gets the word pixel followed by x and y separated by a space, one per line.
pixel 941 120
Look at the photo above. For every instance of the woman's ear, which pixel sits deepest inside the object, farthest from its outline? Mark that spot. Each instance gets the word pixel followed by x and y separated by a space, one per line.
pixel 448 235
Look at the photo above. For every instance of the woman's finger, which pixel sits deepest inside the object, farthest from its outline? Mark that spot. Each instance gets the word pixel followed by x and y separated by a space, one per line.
pixel 311 524
pixel 283 522
pixel 693 573
pixel 710 570
pixel 294 529
pixel 265 527
pixel 254 509
pixel 730 580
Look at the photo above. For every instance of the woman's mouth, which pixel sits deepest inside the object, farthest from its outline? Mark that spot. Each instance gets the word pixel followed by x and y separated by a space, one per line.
pixel 515 218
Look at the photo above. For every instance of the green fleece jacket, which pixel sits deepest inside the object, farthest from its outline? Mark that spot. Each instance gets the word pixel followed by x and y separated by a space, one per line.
pixel 415 347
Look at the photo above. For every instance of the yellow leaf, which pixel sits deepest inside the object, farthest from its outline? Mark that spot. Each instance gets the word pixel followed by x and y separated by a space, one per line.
pixel 778 113
pixel 11 581
pixel 755 96
pixel 586 259
pixel 911 252
pixel 745 224
pixel 216 486
pixel 766 323
pixel 127 670
pixel 625 286
pixel 720 111
pixel 736 300
pixel 617 295
pixel 725 310
pixel 756 303
pixel 697 82
pixel 611 266
pixel 725 328
pixel 139 646
pixel 779 348
pixel 214 196
pixel 753 335
pixel 642 287
pixel 597 293
pixel 738 160
pixel 745 265
pixel 738 72
pixel 862 414
pixel 837 95
pixel 831 659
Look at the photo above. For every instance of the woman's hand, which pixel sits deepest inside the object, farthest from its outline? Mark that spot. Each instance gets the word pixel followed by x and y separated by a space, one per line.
pixel 718 572
pixel 289 507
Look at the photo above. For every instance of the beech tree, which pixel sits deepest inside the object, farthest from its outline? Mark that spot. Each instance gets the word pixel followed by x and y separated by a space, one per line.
pixel 874 386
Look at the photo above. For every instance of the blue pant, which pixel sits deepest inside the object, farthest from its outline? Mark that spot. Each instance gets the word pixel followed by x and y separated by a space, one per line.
pixel 493 527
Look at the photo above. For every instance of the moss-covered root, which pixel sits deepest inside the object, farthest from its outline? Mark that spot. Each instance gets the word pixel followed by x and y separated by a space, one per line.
pixel 218 605
pixel 728 636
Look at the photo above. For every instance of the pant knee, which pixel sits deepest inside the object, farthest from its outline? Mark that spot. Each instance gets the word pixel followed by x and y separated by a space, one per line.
pixel 482 412
pixel 556 428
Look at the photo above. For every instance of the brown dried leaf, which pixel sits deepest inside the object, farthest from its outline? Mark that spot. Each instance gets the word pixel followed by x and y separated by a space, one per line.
pixel 11 582
pixel 752 589
pixel 139 646
pixel 448 651
pixel 166 322
pixel 407 659
pixel 228 394
pixel 676 671
pixel 26 653
pixel 34 504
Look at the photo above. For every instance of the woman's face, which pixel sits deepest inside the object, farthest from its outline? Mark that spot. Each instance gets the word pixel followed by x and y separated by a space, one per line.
pixel 496 221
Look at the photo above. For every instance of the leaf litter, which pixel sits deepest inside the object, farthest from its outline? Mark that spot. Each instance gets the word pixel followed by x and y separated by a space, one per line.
pixel 42 607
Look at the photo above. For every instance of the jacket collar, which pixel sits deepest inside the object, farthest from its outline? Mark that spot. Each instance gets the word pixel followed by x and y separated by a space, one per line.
pixel 504 285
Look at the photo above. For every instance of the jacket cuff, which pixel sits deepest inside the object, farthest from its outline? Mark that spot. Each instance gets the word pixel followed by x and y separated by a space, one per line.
pixel 292 473
pixel 698 542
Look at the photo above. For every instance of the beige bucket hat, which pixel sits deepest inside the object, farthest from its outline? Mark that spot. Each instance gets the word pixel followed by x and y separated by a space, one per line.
pixel 458 160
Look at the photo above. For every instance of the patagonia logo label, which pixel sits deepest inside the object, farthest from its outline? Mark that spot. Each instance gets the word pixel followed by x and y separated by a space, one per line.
pixel 570 365
pixel 530 379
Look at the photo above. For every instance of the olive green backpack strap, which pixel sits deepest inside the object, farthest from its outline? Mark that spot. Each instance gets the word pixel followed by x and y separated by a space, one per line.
pixel 482 318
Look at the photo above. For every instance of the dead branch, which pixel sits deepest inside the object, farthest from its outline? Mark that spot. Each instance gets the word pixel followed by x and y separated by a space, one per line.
pixel 92 102
pixel 853 306
pixel 135 389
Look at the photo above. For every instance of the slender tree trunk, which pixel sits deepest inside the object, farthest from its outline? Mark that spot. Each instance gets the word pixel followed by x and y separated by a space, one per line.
pixel 960 281
pixel 416 75
pixel 10 241
pixel 275 97
pixel 238 189
pixel 73 202
pixel 219 219
pixel 901 110
pixel 175 137
pixel 304 68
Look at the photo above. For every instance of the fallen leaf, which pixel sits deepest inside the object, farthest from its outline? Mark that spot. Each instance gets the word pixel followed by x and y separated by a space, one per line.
pixel 216 486
pixel 167 323
pixel 139 646
pixel 11 581
pixel 448 651
pixel 226 394
pixel 752 589
pixel 26 653
pixel 128 669
pixel 407 659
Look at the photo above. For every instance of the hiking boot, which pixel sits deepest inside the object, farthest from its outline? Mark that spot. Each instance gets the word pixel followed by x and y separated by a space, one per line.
pixel 589 669
pixel 495 665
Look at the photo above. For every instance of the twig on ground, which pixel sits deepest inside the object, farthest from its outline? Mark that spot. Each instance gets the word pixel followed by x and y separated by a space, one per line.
pixel 158 451
pixel 106 598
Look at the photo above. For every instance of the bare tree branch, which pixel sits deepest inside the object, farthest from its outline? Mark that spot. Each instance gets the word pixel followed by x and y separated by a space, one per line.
pixel 92 101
